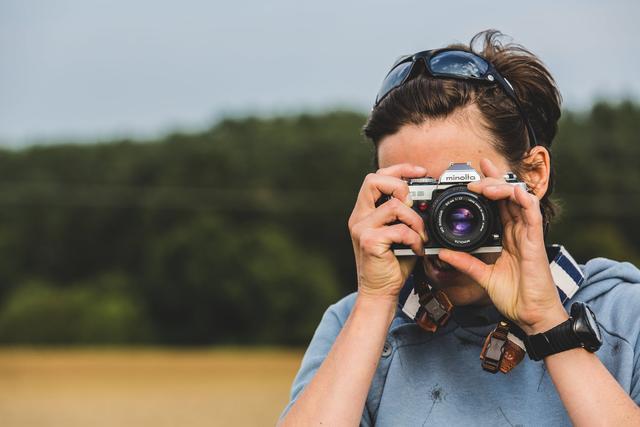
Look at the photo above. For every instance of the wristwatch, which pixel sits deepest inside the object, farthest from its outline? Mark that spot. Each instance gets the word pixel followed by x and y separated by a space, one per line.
pixel 580 330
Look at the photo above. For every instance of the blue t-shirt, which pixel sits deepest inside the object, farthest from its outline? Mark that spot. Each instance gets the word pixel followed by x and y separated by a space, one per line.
pixel 436 379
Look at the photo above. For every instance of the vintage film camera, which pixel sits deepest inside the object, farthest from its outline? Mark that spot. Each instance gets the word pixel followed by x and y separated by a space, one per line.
pixel 454 217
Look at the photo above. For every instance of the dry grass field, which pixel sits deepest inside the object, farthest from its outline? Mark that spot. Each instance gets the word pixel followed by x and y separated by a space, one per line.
pixel 82 387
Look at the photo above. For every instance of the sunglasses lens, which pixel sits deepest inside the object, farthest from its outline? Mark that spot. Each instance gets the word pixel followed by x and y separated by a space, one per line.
pixel 458 64
pixel 394 79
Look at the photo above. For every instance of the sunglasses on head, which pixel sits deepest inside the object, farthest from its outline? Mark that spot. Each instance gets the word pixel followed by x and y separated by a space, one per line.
pixel 455 64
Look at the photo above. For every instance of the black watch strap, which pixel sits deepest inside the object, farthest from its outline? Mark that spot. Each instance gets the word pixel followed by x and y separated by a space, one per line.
pixel 557 339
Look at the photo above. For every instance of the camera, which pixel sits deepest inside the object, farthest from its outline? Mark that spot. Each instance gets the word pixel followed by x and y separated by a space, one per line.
pixel 455 217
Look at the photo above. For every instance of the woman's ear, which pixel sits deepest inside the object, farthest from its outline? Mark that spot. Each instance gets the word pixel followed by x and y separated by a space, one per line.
pixel 537 168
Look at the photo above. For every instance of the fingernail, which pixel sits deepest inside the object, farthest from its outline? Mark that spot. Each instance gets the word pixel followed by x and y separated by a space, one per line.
pixel 420 169
pixel 424 236
pixel 408 201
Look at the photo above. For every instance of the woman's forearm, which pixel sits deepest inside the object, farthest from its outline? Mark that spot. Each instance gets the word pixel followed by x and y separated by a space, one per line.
pixel 590 394
pixel 337 393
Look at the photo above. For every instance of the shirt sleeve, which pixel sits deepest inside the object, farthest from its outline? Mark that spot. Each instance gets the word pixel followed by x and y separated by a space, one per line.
pixel 623 324
pixel 325 335
pixel 635 377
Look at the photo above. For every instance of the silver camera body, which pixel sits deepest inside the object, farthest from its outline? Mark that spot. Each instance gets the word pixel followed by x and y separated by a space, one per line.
pixel 455 217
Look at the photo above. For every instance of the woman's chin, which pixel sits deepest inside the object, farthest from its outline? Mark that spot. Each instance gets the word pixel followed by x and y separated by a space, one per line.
pixel 460 288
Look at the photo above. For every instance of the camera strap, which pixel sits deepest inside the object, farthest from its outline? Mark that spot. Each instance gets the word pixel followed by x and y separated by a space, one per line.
pixel 435 310
pixel 503 348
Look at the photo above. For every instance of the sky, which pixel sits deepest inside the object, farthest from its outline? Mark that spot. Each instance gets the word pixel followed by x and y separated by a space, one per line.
pixel 92 69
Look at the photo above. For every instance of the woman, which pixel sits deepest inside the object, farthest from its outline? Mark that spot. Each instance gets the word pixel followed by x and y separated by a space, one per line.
pixel 372 362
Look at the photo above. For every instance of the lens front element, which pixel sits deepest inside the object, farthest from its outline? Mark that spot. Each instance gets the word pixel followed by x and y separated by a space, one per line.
pixel 460 221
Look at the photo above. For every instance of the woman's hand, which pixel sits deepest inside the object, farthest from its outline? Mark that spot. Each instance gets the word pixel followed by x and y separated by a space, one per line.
pixel 520 282
pixel 372 230
pixel 337 392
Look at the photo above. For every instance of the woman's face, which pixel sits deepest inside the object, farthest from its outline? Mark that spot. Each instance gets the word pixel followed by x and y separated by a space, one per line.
pixel 434 144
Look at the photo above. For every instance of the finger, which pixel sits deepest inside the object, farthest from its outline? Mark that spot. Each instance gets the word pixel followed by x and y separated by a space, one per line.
pixel 400 233
pixel 403 170
pixel 515 211
pixel 375 186
pixel 391 211
pixel 505 193
pixel 489 169
pixel 530 208
pixel 379 240
pixel 387 182
pixel 505 215
pixel 509 223
pixel 478 186
pixel 487 188
pixel 468 264
pixel 518 204
pixel 500 192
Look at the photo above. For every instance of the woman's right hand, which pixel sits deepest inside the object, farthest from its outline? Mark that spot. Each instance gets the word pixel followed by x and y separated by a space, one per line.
pixel 372 230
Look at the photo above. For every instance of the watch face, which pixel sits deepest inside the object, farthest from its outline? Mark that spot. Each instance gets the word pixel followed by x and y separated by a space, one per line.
pixel 586 327
pixel 593 324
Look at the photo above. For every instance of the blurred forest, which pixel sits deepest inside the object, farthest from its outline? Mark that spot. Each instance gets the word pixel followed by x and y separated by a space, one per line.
pixel 238 235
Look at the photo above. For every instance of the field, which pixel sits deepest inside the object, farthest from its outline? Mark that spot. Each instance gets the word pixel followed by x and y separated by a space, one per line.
pixel 121 387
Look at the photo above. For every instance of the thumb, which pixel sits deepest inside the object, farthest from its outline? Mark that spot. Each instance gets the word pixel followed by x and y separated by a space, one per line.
pixel 468 264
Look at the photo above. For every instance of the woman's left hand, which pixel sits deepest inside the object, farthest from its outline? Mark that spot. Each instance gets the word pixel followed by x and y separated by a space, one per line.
pixel 520 282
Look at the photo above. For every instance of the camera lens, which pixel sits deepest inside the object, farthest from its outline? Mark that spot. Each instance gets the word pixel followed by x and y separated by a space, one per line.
pixel 460 219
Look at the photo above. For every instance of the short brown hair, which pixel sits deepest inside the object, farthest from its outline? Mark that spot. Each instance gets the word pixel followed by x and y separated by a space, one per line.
pixel 426 97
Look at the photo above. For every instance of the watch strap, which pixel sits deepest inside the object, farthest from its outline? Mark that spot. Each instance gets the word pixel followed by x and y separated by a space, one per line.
pixel 555 340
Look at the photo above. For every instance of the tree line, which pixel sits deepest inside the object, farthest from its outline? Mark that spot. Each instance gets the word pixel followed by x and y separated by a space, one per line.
pixel 237 234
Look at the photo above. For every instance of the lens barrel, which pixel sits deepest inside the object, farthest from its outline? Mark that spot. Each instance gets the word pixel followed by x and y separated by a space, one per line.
pixel 460 219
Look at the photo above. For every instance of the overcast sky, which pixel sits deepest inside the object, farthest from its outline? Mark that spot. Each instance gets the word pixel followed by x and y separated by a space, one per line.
pixel 97 69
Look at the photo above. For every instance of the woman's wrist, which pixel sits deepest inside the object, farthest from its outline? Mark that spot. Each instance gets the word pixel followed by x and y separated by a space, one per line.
pixel 382 307
pixel 551 318
pixel 337 392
